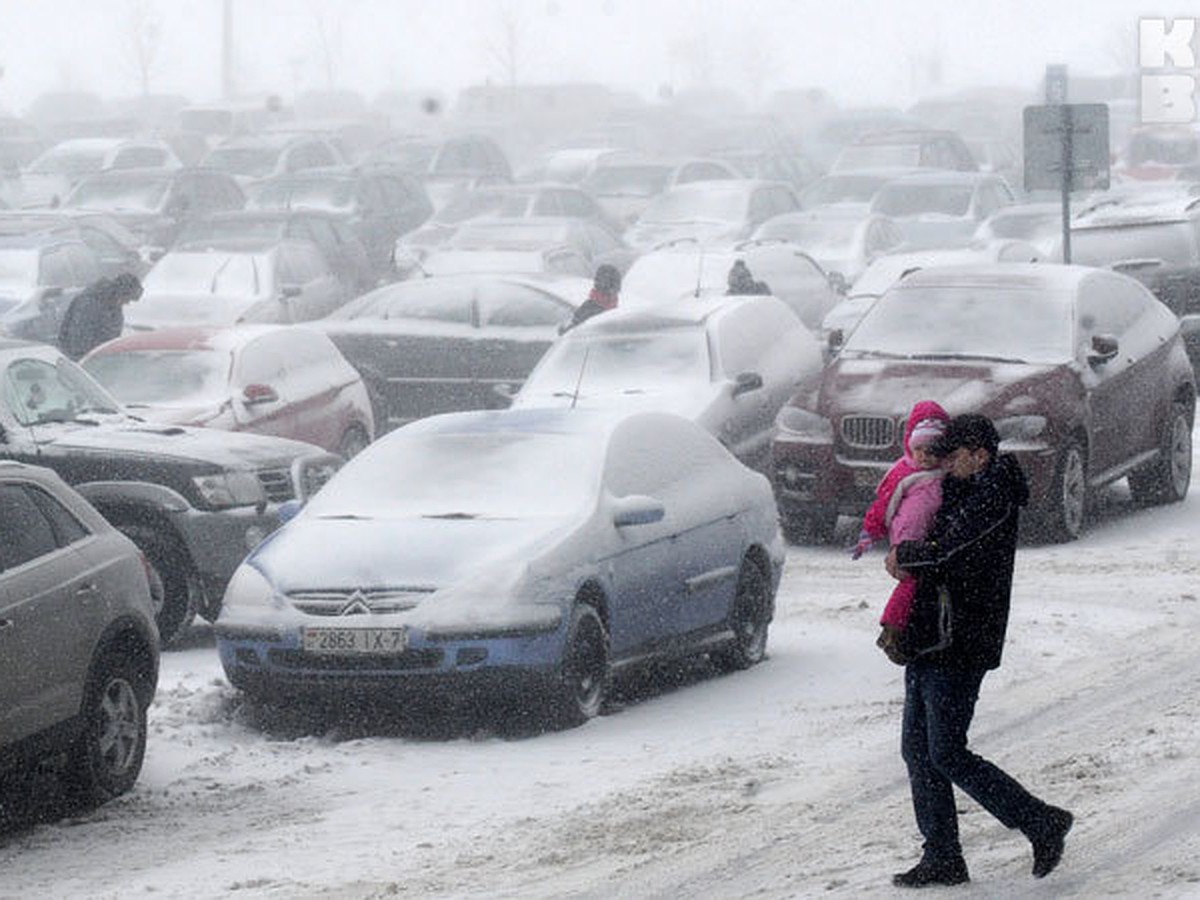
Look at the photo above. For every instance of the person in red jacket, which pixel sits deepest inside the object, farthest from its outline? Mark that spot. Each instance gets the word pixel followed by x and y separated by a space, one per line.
pixel 605 292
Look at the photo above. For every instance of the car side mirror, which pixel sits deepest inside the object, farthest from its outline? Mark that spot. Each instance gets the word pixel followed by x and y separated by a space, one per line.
pixel 834 341
pixel 746 382
pixel 1104 348
pixel 637 509
pixel 256 394
pixel 504 391
pixel 838 282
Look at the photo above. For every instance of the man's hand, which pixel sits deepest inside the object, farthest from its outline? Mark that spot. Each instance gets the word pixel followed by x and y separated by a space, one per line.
pixel 889 642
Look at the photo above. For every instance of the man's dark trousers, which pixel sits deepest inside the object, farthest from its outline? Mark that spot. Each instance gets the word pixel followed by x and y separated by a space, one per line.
pixel 938 706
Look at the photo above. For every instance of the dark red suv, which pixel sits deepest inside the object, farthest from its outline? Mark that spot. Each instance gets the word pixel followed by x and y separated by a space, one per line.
pixel 1083 371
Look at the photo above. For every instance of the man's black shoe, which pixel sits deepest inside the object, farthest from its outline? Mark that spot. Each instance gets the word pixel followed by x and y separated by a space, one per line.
pixel 1049 841
pixel 927 872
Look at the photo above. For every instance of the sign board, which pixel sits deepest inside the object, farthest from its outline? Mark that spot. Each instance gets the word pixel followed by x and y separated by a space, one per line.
pixel 1074 134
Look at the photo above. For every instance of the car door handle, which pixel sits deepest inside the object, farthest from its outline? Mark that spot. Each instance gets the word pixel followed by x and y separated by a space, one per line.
pixel 85 590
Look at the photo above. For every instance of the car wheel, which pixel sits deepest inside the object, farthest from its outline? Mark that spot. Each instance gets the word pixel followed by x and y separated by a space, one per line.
pixel 107 758
pixel 174 604
pixel 748 620
pixel 1166 480
pixel 1066 509
pixel 814 526
pixel 353 442
pixel 582 681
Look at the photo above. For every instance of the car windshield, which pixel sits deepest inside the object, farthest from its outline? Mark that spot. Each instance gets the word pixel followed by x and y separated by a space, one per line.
pixel 119 194
pixel 919 199
pixel 880 156
pixel 333 195
pixel 711 204
pixel 254 162
pixel 492 475
pixel 228 274
pixel 809 233
pixel 436 299
pixel 959 322
pixel 841 189
pixel 69 161
pixel 139 377
pixel 1172 242
pixel 625 363
pixel 632 181
pixel 38 391
pixel 18 269
pixel 236 227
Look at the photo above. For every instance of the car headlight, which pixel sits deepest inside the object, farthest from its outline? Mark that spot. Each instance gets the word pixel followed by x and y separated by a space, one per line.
pixel 226 489
pixel 1020 428
pixel 249 591
pixel 799 424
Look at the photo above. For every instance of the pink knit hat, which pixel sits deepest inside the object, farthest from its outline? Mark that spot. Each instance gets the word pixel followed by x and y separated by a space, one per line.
pixel 925 433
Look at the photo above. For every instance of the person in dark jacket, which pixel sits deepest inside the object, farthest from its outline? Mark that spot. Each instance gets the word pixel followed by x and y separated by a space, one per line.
pixel 741 283
pixel 606 288
pixel 97 314
pixel 954 637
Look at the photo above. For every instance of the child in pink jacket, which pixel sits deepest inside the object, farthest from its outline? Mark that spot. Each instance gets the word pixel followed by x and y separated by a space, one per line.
pixel 906 501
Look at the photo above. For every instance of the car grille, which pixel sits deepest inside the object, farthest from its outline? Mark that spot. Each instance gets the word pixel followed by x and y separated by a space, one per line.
pixel 868 432
pixel 377 601
pixel 277 484
pixel 408 660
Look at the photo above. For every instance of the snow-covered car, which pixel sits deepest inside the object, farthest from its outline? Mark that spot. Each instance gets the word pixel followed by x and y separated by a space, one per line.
pixel 281 380
pixel 710 212
pixel 542 548
pixel 1083 371
pixel 235 282
pixel 80 660
pixel 844 237
pixel 727 363
pixel 939 209
pixel 680 273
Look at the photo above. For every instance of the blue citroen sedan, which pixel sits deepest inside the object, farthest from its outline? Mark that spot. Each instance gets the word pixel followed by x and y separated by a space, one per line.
pixel 545 548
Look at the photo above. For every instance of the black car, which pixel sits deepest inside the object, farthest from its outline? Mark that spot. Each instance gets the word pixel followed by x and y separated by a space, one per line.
pixel 156 204
pixel 379 205
pixel 444 344
pixel 194 500
pixel 342 249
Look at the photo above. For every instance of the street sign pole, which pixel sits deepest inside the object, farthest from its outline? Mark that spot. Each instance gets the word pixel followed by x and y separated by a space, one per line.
pixel 1065 173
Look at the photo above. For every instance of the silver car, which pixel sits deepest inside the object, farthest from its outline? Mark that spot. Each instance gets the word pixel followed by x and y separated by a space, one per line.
pixel 78 644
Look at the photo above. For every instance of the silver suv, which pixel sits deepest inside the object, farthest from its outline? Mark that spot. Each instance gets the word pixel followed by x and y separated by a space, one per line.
pixel 78 644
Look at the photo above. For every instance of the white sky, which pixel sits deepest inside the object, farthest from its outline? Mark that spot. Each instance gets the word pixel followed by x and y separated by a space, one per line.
pixel 863 51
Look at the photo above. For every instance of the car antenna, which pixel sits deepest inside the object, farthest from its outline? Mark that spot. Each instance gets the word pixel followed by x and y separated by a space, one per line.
pixel 579 380
pixel 699 271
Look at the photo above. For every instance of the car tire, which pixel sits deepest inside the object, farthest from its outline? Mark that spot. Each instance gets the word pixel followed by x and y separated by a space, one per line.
pixel 1167 478
pixel 171 567
pixel 749 620
pixel 353 442
pixel 107 758
pixel 579 687
pixel 815 526
pixel 1065 512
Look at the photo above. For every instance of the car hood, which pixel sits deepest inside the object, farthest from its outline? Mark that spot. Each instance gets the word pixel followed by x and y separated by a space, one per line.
pixel 161 310
pixel 154 442
pixel 890 387
pixel 688 401
pixel 420 553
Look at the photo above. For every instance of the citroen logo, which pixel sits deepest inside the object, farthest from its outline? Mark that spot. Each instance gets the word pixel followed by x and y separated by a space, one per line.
pixel 356 605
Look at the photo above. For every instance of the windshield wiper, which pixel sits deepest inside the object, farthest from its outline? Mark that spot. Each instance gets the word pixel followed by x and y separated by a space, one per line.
pixel 450 515
pixel 349 516
pixel 982 357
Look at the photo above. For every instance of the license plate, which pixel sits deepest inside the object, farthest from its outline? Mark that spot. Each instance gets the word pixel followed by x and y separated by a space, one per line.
pixel 355 640
pixel 867 478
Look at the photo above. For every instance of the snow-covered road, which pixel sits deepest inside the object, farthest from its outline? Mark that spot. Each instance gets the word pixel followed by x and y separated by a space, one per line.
pixel 783 781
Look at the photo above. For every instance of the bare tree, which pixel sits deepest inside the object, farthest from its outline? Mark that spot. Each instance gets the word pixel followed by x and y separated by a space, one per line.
pixel 506 51
pixel 329 38
pixel 143 32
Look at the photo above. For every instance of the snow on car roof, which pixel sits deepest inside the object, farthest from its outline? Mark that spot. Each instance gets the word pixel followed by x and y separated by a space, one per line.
pixel 1052 279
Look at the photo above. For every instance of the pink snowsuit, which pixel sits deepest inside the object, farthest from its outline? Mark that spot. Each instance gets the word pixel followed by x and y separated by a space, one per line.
pixel 906 501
